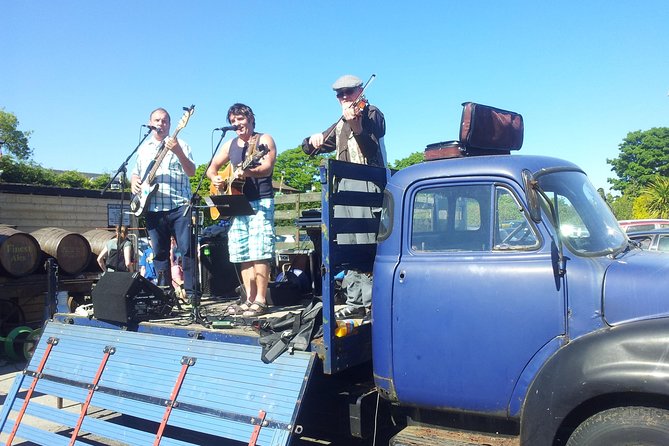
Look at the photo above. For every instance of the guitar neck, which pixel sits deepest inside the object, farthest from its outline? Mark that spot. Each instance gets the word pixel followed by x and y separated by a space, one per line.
pixel 254 156
pixel 162 152
pixel 247 162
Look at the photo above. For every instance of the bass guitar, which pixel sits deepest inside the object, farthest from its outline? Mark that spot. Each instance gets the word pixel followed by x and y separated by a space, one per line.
pixel 232 185
pixel 148 188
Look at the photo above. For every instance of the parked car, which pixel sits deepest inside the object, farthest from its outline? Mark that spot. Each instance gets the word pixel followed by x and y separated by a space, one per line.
pixel 655 240
pixel 647 224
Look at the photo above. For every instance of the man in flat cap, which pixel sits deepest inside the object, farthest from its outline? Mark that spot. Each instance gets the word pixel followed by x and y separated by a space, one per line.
pixel 357 138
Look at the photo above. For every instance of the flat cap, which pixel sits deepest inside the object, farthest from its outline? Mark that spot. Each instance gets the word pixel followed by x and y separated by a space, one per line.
pixel 347 81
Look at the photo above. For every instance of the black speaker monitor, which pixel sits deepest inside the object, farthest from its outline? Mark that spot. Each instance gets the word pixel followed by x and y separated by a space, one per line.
pixel 125 297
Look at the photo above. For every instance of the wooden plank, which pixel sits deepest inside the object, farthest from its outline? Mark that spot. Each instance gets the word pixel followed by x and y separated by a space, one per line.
pixel 308 197
pixel 285 214
pixel 103 428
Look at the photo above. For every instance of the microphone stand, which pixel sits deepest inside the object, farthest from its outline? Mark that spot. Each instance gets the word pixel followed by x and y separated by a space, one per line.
pixel 123 171
pixel 196 315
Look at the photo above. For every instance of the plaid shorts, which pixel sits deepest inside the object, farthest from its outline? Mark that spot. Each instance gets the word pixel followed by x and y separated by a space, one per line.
pixel 251 237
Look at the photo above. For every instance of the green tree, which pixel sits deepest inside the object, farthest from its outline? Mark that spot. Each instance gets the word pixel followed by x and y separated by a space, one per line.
pixel 621 206
pixel 414 158
pixel 13 171
pixel 72 178
pixel 195 179
pixel 99 182
pixel 643 154
pixel 298 169
pixel 655 198
pixel 15 140
pixel 203 191
pixel 640 207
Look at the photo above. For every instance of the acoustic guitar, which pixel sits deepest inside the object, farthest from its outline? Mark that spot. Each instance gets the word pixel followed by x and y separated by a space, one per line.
pixel 232 185
pixel 148 188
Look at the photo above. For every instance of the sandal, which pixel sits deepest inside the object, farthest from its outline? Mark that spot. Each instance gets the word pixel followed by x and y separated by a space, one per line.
pixel 236 310
pixel 256 309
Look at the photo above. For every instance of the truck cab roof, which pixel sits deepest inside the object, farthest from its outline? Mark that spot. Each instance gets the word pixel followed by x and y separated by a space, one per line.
pixel 509 166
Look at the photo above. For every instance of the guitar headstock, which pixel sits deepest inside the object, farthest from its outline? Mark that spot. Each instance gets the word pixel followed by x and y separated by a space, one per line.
pixel 188 112
pixel 262 150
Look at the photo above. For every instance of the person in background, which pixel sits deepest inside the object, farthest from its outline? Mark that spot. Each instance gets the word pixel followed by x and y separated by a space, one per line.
pixel 146 266
pixel 356 138
pixel 117 253
pixel 251 237
pixel 176 268
pixel 165 209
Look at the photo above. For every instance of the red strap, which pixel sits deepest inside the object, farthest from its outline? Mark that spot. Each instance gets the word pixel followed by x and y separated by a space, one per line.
pixel 108 350
pixel 38 373
pixel 256 429
pixel 185 363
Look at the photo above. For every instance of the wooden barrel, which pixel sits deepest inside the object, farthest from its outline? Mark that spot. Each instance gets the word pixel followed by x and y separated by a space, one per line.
pixel 71 250
pixel 20 253
pixel 98 239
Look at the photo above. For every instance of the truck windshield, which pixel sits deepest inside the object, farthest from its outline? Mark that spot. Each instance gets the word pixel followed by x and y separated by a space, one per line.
pixel 586 224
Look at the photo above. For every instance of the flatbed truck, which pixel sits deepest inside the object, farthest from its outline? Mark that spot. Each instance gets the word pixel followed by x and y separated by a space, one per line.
pixel 508 308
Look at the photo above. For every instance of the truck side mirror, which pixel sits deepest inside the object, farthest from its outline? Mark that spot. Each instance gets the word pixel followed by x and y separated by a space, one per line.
pixel 534 208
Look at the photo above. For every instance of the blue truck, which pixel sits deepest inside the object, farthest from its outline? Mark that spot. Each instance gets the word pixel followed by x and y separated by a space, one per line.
pixel 508 308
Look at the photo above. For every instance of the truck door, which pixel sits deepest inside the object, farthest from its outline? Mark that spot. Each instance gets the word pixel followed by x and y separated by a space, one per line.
pixel 474 296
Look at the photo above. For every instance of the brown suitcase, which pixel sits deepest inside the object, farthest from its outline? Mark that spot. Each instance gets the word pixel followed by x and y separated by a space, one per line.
pixel 443 150
pixel 489 128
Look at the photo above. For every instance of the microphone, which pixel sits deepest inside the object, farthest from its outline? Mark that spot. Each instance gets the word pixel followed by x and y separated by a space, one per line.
pixel 155 129
pixel 228 128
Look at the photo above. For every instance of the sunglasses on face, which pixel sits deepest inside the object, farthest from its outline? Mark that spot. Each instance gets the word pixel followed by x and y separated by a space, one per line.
pixel 346 93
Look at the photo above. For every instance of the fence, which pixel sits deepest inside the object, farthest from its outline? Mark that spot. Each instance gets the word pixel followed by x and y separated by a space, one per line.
pixel 288 208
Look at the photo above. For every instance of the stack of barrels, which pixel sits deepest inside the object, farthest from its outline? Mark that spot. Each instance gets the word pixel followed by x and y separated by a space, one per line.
pixel 22 253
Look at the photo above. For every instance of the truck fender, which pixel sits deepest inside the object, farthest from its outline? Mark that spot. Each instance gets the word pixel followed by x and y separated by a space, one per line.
pixel 631 358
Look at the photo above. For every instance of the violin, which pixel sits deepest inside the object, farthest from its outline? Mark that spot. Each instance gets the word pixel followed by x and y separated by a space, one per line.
pixel 360 104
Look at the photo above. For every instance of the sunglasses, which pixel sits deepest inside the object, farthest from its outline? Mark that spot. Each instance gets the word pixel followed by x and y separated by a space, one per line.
pixel 346 93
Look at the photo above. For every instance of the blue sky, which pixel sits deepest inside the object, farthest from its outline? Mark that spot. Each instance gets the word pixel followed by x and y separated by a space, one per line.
pixel 84 75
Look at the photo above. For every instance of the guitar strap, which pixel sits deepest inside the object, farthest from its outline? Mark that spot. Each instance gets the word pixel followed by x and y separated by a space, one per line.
pixel 253 144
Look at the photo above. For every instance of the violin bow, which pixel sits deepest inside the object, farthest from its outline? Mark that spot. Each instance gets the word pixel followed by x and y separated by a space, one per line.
pixel 355 103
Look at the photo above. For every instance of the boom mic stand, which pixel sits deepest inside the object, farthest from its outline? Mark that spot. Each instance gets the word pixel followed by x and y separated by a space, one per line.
pixel 123 171
pixel 196 315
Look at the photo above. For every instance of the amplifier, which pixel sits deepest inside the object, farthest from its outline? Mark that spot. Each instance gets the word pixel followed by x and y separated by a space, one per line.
pixel 294 259
pixel 128 297
pixel 300 259
pixel 148 307
pixel 219 276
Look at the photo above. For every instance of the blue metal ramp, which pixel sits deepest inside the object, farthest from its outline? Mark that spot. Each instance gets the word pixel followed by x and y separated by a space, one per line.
pixel 179 389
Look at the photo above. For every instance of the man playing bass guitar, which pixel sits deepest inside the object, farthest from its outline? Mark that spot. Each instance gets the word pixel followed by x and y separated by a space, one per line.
pixel 165 208
pixel 250 238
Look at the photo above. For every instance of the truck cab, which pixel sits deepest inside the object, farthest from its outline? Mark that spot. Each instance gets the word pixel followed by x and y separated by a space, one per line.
pixel 505 289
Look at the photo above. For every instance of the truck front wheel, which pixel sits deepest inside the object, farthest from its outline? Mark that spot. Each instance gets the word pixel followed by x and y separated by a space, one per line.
pixel 642 426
